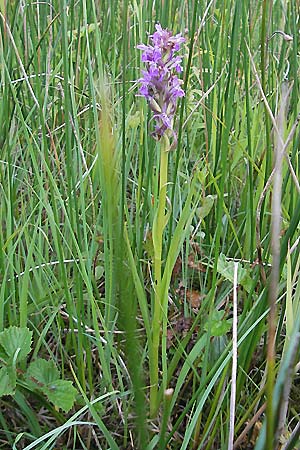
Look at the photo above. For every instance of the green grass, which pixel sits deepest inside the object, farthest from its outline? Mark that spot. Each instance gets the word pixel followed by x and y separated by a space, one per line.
pixel 79 188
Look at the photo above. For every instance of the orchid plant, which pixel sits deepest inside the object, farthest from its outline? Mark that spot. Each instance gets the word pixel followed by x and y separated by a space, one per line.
pixel 161 87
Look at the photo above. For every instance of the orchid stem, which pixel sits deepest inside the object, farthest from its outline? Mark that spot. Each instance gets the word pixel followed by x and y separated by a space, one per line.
pixel 159 224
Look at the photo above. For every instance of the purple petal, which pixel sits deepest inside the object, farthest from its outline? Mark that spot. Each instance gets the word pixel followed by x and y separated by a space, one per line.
pixel 166 120
pixel 159 83
pixel 156 54
pixel 144 91
pixel 147 56
pixel 153 71
pixel 147 77
pixel 143 47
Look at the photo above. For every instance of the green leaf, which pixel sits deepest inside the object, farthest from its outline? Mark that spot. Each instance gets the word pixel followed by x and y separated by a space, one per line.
pixel 226 269
pixel 218 326
pixel 43 372
pixel 61 393
pixel 205 208
pixel 134 119
pixel 44 375
pixel 217 347
pixel 7 382
pixel 148 246
pixel 99 272
pixel 15 344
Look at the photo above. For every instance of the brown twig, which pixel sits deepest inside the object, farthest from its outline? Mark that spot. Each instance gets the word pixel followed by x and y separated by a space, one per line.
pixel 249 426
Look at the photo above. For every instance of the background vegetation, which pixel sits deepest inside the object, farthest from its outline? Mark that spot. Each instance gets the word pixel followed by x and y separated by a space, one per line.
pixel 79 176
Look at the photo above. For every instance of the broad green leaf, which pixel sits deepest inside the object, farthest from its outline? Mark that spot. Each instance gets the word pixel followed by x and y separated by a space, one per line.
pixel 44 375
pixel 15 343
pixel 226 269
pixel 61 393
pixel 42 371
pixel 7 382
pixel 218 326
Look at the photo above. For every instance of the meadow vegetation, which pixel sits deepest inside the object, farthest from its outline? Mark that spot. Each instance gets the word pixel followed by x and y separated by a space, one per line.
pixel 149 302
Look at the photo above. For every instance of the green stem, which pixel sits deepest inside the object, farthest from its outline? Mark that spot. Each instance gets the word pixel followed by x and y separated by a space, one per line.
pixel 159 224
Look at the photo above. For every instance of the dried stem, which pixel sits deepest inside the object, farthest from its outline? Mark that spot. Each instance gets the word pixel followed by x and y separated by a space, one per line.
pixel 234 358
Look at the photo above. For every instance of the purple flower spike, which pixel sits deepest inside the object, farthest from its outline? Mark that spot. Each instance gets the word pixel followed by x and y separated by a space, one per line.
pixel 159 83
